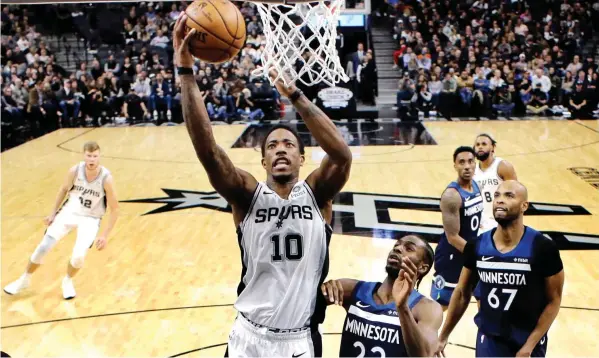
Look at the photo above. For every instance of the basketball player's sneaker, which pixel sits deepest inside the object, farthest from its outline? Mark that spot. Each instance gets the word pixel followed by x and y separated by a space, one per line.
pixel 17 286
pixel 68 290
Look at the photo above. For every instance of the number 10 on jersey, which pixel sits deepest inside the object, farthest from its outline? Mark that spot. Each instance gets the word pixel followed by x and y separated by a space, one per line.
pixel 293 245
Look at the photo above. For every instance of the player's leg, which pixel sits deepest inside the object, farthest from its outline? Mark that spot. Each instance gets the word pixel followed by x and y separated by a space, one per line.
pixel 56 231
pixel 87 229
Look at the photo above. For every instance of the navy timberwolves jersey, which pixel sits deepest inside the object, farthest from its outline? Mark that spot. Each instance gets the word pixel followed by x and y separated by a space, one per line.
pixel 512 284
pixel 372 330
pixel 448 259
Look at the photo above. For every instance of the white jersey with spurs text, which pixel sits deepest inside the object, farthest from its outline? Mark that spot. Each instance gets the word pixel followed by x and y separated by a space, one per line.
pixel 488 181
pixel 87 198
pixel 284 252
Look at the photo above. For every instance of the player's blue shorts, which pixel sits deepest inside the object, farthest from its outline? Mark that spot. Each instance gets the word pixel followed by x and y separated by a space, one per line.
pixel 441 291
pixel 490 346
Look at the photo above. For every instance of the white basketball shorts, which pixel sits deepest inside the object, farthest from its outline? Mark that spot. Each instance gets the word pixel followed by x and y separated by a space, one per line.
pixel 65 221
pixel 248 339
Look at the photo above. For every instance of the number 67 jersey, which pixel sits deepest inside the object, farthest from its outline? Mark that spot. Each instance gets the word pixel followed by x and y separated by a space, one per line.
pixel 512 284
pixel 284 253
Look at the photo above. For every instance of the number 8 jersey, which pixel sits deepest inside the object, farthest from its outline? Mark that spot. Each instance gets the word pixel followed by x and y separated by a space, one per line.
pixel 87 198
pixel 284 253
pixel 488 181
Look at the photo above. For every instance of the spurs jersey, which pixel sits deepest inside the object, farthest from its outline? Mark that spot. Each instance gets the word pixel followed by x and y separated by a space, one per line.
pixel 87 198
pixel 488 181
pixel 284 253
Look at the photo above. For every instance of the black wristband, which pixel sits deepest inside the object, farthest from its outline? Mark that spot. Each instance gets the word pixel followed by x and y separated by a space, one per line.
pixel 185 70
pixel 296 95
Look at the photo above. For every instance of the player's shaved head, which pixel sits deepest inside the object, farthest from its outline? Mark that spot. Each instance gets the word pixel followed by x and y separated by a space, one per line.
pixel 518 188
pixel 510 202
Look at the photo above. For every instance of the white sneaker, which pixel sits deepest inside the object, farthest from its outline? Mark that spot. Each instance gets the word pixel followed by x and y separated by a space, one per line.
pixel 169 115
pixel 68 290
pixel 16 286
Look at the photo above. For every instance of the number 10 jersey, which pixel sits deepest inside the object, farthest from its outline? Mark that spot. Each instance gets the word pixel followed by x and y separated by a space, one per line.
pixel 284 253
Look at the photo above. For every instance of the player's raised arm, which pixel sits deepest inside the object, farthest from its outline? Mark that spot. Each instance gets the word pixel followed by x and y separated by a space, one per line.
pixel 331 176
pixel 235 185
pixel 450 211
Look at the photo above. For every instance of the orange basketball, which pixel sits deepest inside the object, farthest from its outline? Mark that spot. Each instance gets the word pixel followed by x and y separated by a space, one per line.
pixel 220 30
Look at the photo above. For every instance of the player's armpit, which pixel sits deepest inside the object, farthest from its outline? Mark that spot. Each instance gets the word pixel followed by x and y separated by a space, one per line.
pixel 450 211
pixel 328 179
pixel 333 173
pixel 236 185
pixel 506 171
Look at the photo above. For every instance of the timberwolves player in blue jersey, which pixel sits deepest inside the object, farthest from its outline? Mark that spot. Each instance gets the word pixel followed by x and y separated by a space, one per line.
pixel 520 276
pixel 389 318
pixel 461 208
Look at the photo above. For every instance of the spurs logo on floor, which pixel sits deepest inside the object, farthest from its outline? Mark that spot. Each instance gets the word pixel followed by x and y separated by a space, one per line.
pixel 367 214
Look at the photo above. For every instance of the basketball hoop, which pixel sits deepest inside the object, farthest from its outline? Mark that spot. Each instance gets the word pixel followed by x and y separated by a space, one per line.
pixel 302 34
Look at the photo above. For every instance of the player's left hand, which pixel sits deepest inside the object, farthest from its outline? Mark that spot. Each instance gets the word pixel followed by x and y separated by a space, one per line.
pixel 404 284
pixel 524 352
pixel 281 87
pixel 101 242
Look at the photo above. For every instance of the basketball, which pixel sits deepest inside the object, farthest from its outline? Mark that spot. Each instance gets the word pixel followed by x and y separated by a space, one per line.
pixel 220 30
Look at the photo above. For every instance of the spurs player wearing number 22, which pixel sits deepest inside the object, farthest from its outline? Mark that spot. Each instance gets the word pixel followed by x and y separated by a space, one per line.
pixel 520 278
pixel 282 223
pixel 490 172
pixel 390 318
pixel 90 188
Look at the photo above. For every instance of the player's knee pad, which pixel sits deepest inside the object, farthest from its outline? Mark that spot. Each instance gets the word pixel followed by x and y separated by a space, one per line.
pixel 42 249
pixel 77 261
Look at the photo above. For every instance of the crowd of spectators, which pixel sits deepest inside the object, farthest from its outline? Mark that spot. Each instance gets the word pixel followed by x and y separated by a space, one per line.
pixel 459 58
pixel 487 57
pixel 134 81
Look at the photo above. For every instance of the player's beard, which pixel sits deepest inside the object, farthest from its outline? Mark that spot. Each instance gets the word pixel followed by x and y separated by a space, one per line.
pixel 282 178
pixel 507 220
pixel 392 271
pixel 483 157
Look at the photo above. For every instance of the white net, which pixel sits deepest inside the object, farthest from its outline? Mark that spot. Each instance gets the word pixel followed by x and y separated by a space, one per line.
pixel 300 42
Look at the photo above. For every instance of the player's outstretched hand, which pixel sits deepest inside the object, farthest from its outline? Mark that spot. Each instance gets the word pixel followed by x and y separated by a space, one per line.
pixel 100 242
pixel 333 290
pixel 404 284
pixel 440 348
pixel 49 219
pixel 524 352
pixel 183 57
pixel 281 87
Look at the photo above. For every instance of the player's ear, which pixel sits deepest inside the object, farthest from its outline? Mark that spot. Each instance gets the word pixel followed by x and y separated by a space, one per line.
pixel 423 269
pixel 263 163
pixel 524 206
pixel 302 160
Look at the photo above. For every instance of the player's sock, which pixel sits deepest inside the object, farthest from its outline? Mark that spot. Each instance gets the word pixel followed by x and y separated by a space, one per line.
pixel 68 289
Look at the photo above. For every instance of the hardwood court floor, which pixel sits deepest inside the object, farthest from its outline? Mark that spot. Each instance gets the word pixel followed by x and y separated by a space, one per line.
pixel 166 281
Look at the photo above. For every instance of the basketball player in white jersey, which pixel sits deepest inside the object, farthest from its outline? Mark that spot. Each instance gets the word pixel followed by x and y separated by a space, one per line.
pixel 89 187
pixel 489 173
pixel 283 223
